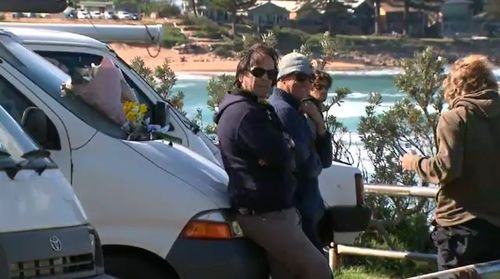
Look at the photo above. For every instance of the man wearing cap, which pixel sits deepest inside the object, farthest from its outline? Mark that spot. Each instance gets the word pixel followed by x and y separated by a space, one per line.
pixel 295 75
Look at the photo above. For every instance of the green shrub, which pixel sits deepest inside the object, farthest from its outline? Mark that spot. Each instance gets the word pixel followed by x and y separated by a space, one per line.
pixel 211 28
pixel 172 36
pixel 224 51
pixel 169 10
pixel 289 39
pixel 206 34
pixel 238 45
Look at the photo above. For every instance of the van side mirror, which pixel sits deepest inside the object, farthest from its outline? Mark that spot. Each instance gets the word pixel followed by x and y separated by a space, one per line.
pixel 160 114
pixel 40 128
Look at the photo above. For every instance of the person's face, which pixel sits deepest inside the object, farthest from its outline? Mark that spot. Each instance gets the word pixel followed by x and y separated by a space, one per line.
pixel 260 76
pixel 298 84
pixel 319 90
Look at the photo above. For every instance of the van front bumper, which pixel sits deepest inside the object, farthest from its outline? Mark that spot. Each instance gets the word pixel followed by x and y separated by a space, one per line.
pixel 237 258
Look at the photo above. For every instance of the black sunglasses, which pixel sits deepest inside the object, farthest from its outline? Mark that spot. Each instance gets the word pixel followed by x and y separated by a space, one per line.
pixel 301 77
pixel 259 72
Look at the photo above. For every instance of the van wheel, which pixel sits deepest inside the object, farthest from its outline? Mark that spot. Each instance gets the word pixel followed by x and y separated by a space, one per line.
pixel 126 267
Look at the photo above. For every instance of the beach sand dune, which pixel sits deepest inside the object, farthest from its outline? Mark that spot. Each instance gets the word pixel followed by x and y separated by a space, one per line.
pixel 198 62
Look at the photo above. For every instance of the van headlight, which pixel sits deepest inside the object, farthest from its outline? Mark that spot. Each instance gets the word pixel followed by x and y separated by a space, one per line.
pixel 97 250
pixel 216 224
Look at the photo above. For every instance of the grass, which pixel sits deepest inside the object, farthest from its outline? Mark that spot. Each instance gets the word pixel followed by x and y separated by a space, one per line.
pixel 358 272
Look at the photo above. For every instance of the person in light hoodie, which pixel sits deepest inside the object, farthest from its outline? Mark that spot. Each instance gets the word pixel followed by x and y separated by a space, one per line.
pixel 466 166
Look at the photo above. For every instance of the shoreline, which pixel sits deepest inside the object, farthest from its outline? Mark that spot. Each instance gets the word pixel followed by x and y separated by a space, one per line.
pixel 208 64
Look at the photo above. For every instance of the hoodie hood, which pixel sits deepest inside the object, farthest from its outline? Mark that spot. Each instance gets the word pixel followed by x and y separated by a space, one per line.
pixel 231 99
pixel 485 103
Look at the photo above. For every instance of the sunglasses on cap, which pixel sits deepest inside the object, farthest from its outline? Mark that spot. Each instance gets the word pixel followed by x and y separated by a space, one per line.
pixel 301 77
pixel 259 72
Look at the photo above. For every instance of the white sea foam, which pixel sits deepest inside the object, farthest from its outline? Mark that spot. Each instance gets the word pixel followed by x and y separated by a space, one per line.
pixel 199 75
pixel 355 109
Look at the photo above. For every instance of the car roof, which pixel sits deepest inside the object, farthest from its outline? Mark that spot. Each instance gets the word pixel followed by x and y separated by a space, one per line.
pixel 28 36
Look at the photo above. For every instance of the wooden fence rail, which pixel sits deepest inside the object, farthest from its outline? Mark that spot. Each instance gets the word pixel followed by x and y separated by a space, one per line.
pixel 478 271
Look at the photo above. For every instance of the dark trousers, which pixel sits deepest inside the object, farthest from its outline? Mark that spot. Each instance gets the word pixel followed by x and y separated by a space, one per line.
pixel 472 242
pixel 311 208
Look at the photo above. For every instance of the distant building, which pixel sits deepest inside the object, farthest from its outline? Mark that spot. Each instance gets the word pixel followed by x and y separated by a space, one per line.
pixel 267 15
pixel 96 6
pixel 457 18
pixel 392 19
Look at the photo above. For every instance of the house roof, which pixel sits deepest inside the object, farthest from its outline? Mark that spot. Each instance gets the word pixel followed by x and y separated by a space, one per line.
pixel 355 3
pixel 388 8
pixel 291 6
pixel 457 2
pixel 268 6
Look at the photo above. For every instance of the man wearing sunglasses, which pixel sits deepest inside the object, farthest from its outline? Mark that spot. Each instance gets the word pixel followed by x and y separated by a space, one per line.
pixel 295 76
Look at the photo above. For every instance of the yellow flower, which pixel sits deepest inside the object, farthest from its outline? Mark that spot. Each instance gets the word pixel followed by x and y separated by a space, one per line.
pixel 134 112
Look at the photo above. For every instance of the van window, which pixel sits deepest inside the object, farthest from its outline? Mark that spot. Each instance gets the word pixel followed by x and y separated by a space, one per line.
pixel 70 62
pixel 15 103
pixel 17 147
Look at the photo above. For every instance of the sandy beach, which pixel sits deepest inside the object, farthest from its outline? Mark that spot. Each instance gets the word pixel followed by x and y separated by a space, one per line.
pixel 199 63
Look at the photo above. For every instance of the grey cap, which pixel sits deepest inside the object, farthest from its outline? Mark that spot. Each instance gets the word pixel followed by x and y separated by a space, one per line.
pixel 294 62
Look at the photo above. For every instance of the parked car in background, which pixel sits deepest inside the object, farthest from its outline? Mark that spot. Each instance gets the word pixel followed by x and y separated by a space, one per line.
pixel 110 15
pixel 123 15
pixel 82 14
pixel 96 15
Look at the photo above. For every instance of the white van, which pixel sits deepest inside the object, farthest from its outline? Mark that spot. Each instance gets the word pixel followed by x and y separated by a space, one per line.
pixel 161 210
pixel 341 185
pixel 43 229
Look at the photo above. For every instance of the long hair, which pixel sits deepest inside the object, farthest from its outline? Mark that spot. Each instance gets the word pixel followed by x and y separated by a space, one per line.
pixel 469 75
pixel 249 57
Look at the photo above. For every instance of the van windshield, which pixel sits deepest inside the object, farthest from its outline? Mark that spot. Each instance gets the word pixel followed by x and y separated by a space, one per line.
pixel 14 142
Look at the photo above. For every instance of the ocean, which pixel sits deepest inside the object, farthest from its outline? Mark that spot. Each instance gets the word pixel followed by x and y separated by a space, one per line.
pixel 361 83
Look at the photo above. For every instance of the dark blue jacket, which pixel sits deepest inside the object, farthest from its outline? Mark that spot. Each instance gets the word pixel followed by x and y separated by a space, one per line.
pixel 307 159
pixel 248 132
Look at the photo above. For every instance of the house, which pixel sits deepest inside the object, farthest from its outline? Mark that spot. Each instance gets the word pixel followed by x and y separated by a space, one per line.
pixel 363 16
pixel 96 6
pixel 341 17
pixel 267 15
pixel 204 8
pixel 457 18
pixel 392 19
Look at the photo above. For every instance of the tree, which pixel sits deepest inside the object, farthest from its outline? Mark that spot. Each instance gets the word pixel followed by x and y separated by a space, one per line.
pixel 162 79
pixel 492 9
pixel 194 7
pixel 232 7
pixel 376 7
pixel 410 124
pixel 335 13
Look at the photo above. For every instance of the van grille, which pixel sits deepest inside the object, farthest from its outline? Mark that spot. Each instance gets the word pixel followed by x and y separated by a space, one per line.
pixel 66 265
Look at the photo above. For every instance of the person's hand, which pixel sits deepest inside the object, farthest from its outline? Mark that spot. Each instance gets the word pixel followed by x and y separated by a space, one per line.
pixel 407 161
pixel 312 111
